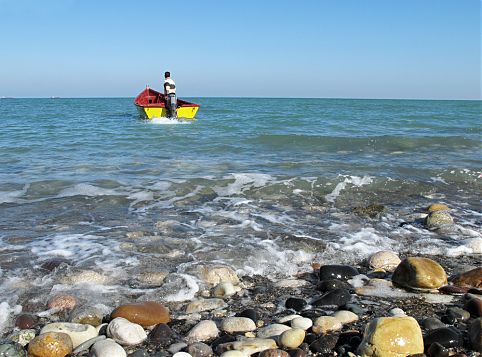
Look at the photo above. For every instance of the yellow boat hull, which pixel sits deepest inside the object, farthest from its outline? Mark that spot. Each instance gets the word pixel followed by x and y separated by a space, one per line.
pixel 156 112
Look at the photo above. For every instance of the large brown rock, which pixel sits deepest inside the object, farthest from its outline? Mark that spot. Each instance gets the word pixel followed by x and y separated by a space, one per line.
pixel 470 278
pixel 398 336
pixel 144 313
pixel 420 273
pixel 50 344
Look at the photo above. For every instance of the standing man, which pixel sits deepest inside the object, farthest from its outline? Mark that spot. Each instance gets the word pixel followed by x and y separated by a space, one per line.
pixel 170 95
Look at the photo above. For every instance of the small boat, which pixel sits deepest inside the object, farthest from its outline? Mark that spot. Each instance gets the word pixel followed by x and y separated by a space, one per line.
pixel 151 104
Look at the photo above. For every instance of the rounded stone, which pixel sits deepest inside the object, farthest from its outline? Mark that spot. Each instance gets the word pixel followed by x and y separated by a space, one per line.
pixel 26 321
pixel 396 311
pixel 11 349
pixel 139 353
pixel 161 336
pixel 181 354
pixel 274 352
pixel 62 302
pixel 78 333
pixel 233 353
pixel 471 278
pixel 205 305
pixel 446 336
pixel 458 313
pixel 146 313
pixel 84 276
pixel 292 338
pixel 332 284
pixel 50 344
pixel 272 330
pixel 432 323
pixel 437 207
pixel 340 272
pixel 337 297
pixel 324 344
pixel 287 318
pixel 391 337
pixel 224 289
pixel 204 331
pixel 199 349
pixel 237 324
pixel 303 323
pixel 386 260
pixel 249 313
pixel 248 346
pixel 345 317
pixel 296 304
pixel 107 348
pixel 214 274
pixel 438 219
pixel 475 334
pixel 22 337
pixel 437 350
pixel 419 273
pixel 325 324
pixel 88 315
pixel 125 332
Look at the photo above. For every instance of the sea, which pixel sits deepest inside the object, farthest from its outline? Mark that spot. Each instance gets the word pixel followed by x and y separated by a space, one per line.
pixel 265 186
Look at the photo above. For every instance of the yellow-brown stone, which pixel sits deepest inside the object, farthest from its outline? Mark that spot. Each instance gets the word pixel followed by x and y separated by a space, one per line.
pixel 50 344
pixel 470 278
pixel 420 273
pixel 437 207
pixel 391 337
pixel 144 313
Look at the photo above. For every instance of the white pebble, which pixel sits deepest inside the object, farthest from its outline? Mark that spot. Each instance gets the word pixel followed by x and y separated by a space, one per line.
pixel 125 332
pixel 397 312
pixel 303 323
pixel 181 354
pixel 285 319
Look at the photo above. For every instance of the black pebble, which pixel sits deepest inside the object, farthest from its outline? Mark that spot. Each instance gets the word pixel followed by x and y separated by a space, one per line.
pixel 332 284
pixel 139 353
pixel 340 272
pixel 446 336
pixel 437 350
pixel 324 344
pixel 338 297
pixel 222 339
pixel 297 352
pixel 296 304
pixel 249 313
pixel 448 319
pixel 161 336
pixel 432 323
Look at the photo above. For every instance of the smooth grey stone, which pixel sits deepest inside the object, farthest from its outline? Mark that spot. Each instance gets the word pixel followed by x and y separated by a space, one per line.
pixel 87 344
pixel 432 323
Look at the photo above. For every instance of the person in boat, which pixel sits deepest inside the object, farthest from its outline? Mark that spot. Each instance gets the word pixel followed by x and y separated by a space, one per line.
pixel 170 95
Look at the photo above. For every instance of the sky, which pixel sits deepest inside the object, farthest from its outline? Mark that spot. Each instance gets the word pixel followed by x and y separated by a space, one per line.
pixel 413 49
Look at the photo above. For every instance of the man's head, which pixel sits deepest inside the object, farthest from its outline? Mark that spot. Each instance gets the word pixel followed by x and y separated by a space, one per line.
pixel 167 74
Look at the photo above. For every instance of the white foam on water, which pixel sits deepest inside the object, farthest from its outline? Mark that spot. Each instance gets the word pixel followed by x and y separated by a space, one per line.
pixel 12 196
pixel 5 311
pixel 438 179
pixel 243 182
pixel 84 189
pixel 168 121
pixel 350 180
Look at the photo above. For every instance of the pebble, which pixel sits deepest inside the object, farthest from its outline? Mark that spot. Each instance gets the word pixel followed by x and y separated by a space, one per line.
pixel 26 321
pixel 475 334
pixel 396 311
pixel 274 352
pixel 176 347
pixel 391 336
pixel 87 344
pixel 324 344
pixel 325 324
pixel 22 337
pixel 446 336
pixel 200 349
pixel 84 276
pixel 303 323
pixel 139 353
pixel 249 346
pixel 296 304
pixel 471 278
pixel 205 330
pixel 237 324
pixel 438 219
pixel 432 323
pixel 355 309
pixel 287 318
pixel 272 330
pixel 233 353
pixel 437 350
pixel 249 313
pixel 452 290
pixel 50 344
pixel 332 284
pixel 419 273
pixel 181 354
pixel 337 297
pixel 224 289
pixel 125 332
pixel 386 260
pixel 107 348
pixel 292 338
pixel 458 313
pixel 345 317
pixel 78 333
pixel 146 313
pixel 214 274
pixel 11 349
pixel 161 336
pixel 62 302
pixel 152 278
pixel 89 315
pixel 340 272
pixel 205 305
pixel 437 207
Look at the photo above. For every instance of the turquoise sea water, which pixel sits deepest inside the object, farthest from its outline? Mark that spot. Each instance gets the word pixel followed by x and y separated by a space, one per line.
pixel 263 185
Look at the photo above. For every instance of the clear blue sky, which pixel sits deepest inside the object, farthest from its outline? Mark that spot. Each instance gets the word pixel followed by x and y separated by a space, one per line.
pixel 272 48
